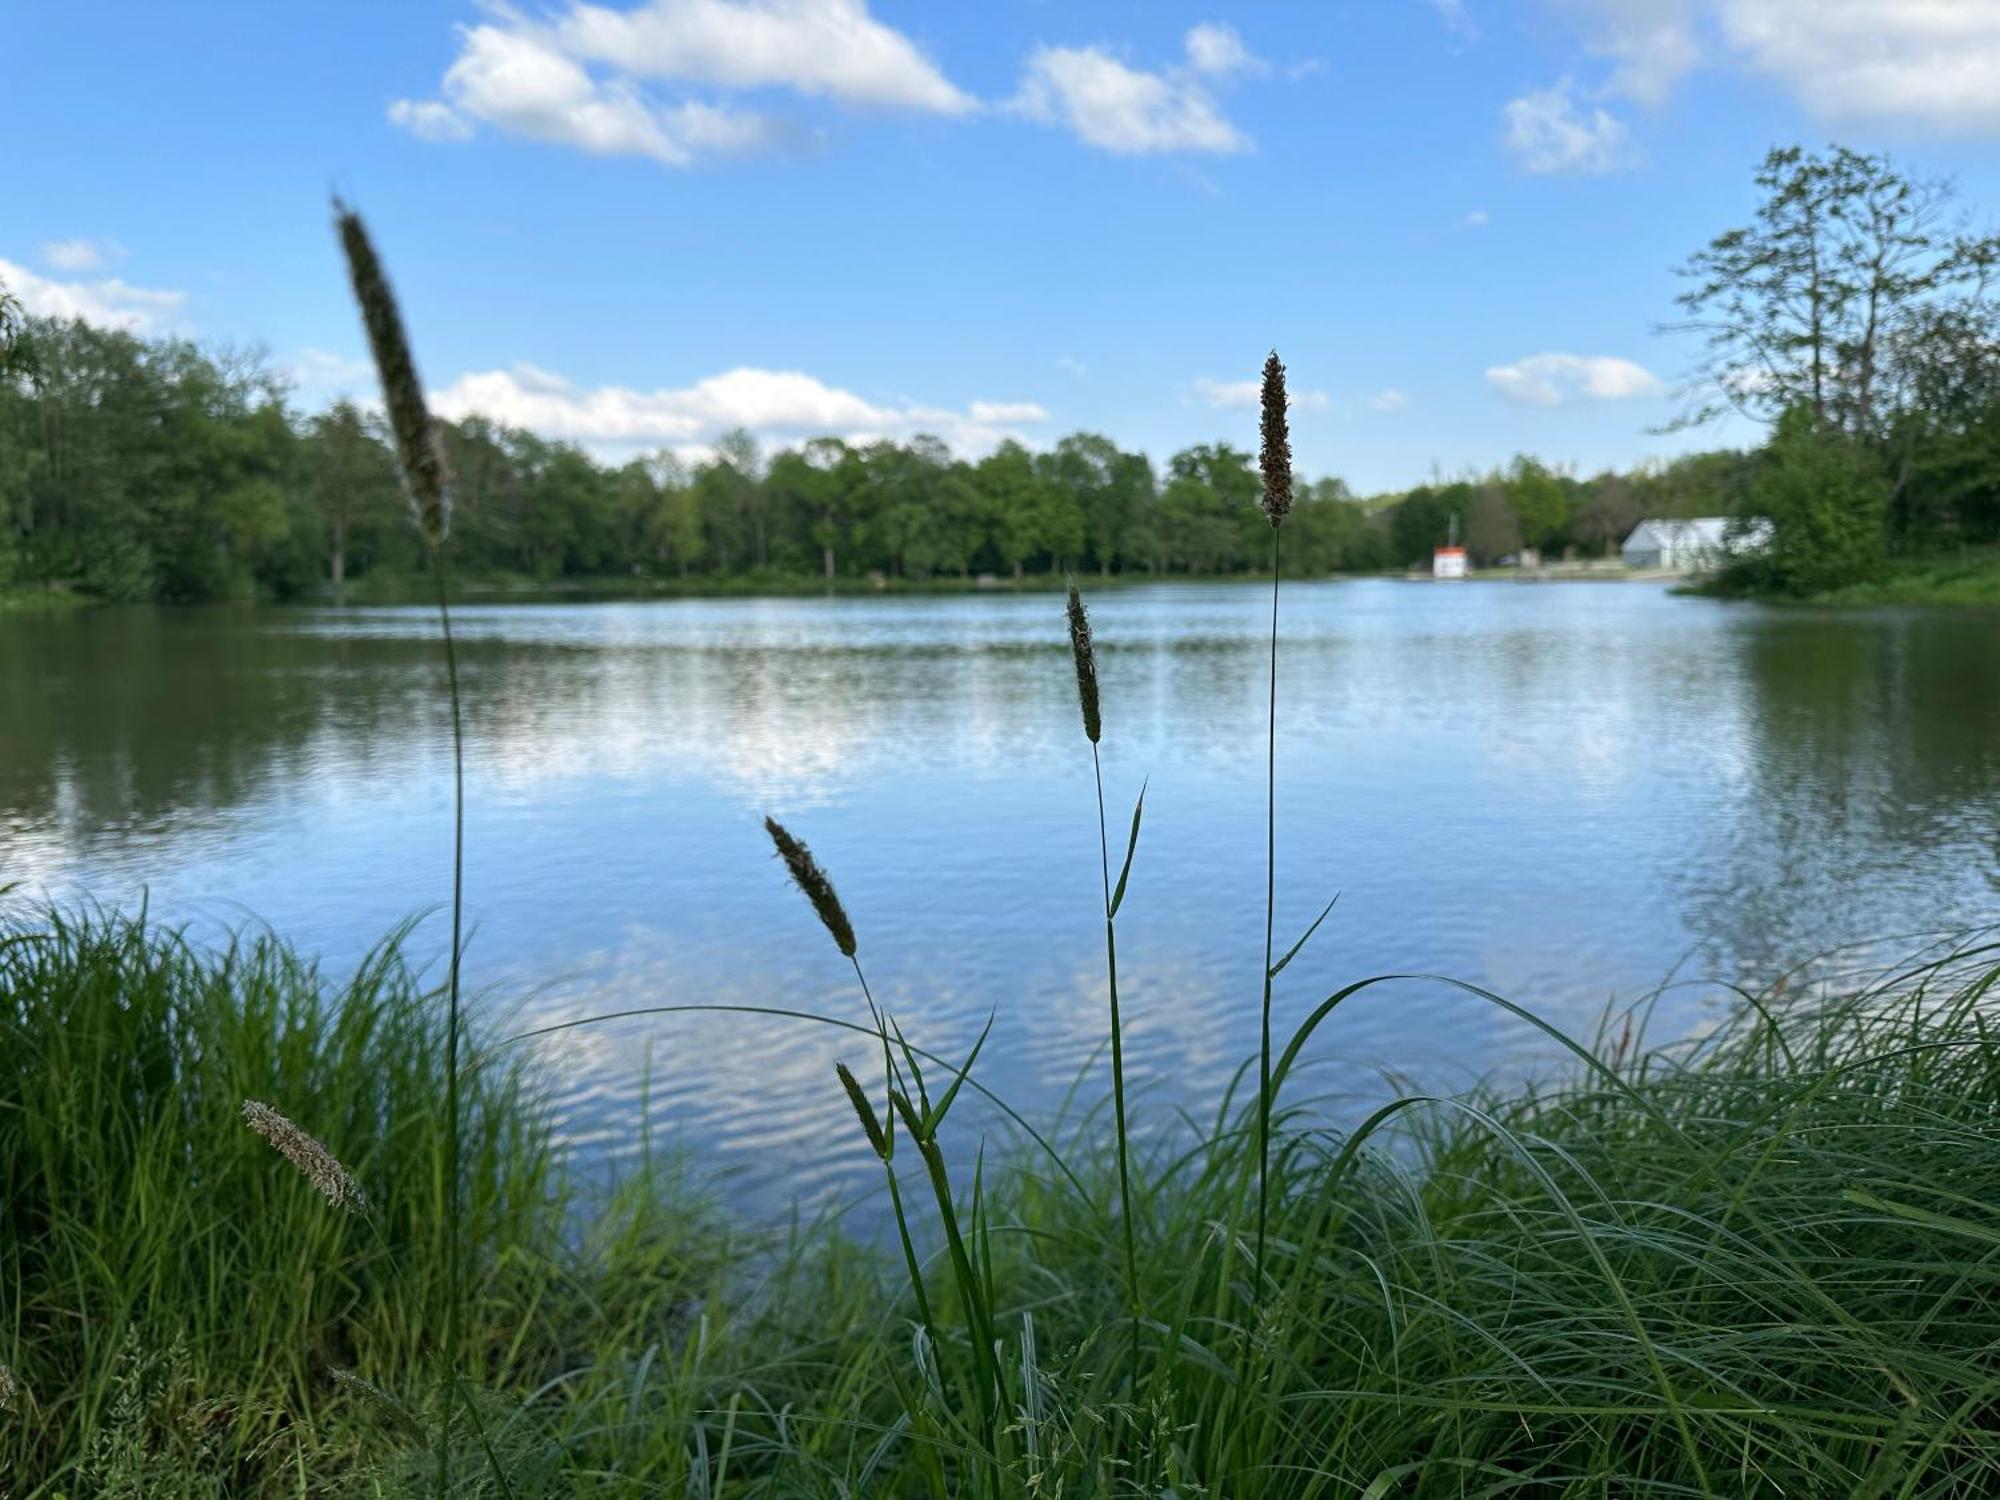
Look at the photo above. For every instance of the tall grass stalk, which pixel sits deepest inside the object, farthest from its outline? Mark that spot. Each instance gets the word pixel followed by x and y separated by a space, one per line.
pixel 1274 460
pixel 427 476
pixel 1083 651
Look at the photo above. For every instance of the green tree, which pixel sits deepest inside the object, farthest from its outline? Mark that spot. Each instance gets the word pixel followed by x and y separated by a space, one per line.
pixel 1537 498
pixel 350 483
pixel 1826 498
pixel 1801 306
pixel 1493 530
pixel 1607 515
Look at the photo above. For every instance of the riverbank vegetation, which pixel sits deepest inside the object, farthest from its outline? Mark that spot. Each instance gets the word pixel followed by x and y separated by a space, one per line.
pixel 154 470
pixel 1855 315
pixel 1757 1261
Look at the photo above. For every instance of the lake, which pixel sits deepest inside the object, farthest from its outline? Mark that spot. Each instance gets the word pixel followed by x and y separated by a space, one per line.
pixel 1563 792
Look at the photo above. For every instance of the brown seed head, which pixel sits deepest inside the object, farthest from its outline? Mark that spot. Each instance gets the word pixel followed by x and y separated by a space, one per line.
pixel 869 1123
pixel 1274 457
pixel 419 448
pixel 1081 647
pixel 810 878
pixel 335 1183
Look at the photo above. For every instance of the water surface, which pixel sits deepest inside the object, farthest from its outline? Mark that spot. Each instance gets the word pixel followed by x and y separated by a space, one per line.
pixel 1562 792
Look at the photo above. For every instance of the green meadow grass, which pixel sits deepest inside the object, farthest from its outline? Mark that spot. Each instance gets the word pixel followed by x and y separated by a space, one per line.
pixel 1760 1262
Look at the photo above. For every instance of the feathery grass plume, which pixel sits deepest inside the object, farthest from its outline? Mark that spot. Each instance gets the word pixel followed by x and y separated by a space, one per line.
pixel 1274 457
pixel 1085 652
pixel 320 1167
pixel 865 1110
pixel 810 878
pixel 419 448
pixel 348 1380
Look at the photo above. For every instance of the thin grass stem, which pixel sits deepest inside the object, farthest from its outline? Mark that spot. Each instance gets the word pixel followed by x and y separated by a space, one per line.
pixel 1270 919
pixel 1117 1067
pixel 455 1266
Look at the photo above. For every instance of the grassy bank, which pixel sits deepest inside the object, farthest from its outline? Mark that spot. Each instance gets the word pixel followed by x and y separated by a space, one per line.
pixel 1761 1262
pixel 1967 575
pixel 20 598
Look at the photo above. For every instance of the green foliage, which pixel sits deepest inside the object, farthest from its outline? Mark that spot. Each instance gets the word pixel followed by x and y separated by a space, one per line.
pixel 1827 501
pixel 1857 298
pixel 176 1295
pixel 153 471
pixel 1537 500
pixel 1756 1261
pixel 1494 530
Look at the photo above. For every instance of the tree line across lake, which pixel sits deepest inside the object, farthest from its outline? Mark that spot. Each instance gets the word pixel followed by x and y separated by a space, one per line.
pixel 136 469
pixel 1852 318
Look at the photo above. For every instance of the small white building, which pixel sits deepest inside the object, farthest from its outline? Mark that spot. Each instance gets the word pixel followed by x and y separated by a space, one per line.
pixel 1694 545
pixel 1448 562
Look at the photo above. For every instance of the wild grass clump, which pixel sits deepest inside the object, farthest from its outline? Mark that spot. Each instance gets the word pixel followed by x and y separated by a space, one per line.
pixel 1763 1261
pixel 139 1214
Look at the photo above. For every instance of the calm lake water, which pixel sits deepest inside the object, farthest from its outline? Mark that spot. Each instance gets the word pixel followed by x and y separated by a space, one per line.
pixel 1562 792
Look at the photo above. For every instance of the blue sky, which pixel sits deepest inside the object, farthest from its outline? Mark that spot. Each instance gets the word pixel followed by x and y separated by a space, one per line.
pixel 638 224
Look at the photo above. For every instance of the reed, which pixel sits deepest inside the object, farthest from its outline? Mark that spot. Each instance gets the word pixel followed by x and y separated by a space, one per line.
pixel 1274 462
pixel 1083 652
pixel 315 1162
pixel 426 475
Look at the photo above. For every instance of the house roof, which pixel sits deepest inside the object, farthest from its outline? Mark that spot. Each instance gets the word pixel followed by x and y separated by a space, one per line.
pixel 1698 532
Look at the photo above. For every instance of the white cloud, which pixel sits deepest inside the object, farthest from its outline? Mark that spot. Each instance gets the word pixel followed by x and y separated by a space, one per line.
pixel 430 120
pixel 1456 17
pixel 828 48
pixel 108 303
pixel 777 405
pixel 523 83
pixel 82 254
pixel 1388 400
pixel 1122 109
pixel 1653 43
pixel 579 80
pixel 1006 413
pixel 1931 62
pixel 1553 379
pixel 1548 133
pixel 1241 395
pixel 1479 218
pixel 1214 47
pixel 321 372
pixel 1071 365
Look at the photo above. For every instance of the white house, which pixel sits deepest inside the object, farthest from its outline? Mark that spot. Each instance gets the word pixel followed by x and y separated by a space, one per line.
pixel 1691 546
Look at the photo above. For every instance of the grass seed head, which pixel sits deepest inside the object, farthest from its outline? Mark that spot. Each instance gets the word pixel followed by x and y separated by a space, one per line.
pixel 865 1110
pixel 9 1388
pixel 419 447
pixel 810 878
pixel 319 1166
pixel 1274 457
pixel 1085 652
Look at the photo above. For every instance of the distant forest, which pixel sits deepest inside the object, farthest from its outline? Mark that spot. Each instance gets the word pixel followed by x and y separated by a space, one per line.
pixel 135 469
pixel 1857 318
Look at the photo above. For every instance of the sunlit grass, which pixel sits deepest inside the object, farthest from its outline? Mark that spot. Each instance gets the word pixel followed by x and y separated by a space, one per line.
pixel 1762 1261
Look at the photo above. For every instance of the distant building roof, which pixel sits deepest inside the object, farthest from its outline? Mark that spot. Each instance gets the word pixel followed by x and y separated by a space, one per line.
pixel 1699 533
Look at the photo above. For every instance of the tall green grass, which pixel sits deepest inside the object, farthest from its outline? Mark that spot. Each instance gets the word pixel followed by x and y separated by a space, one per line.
pixel 1762 1261
pixel 138 1210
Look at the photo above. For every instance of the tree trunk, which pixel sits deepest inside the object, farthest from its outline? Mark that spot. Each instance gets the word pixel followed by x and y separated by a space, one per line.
pixel 339 564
